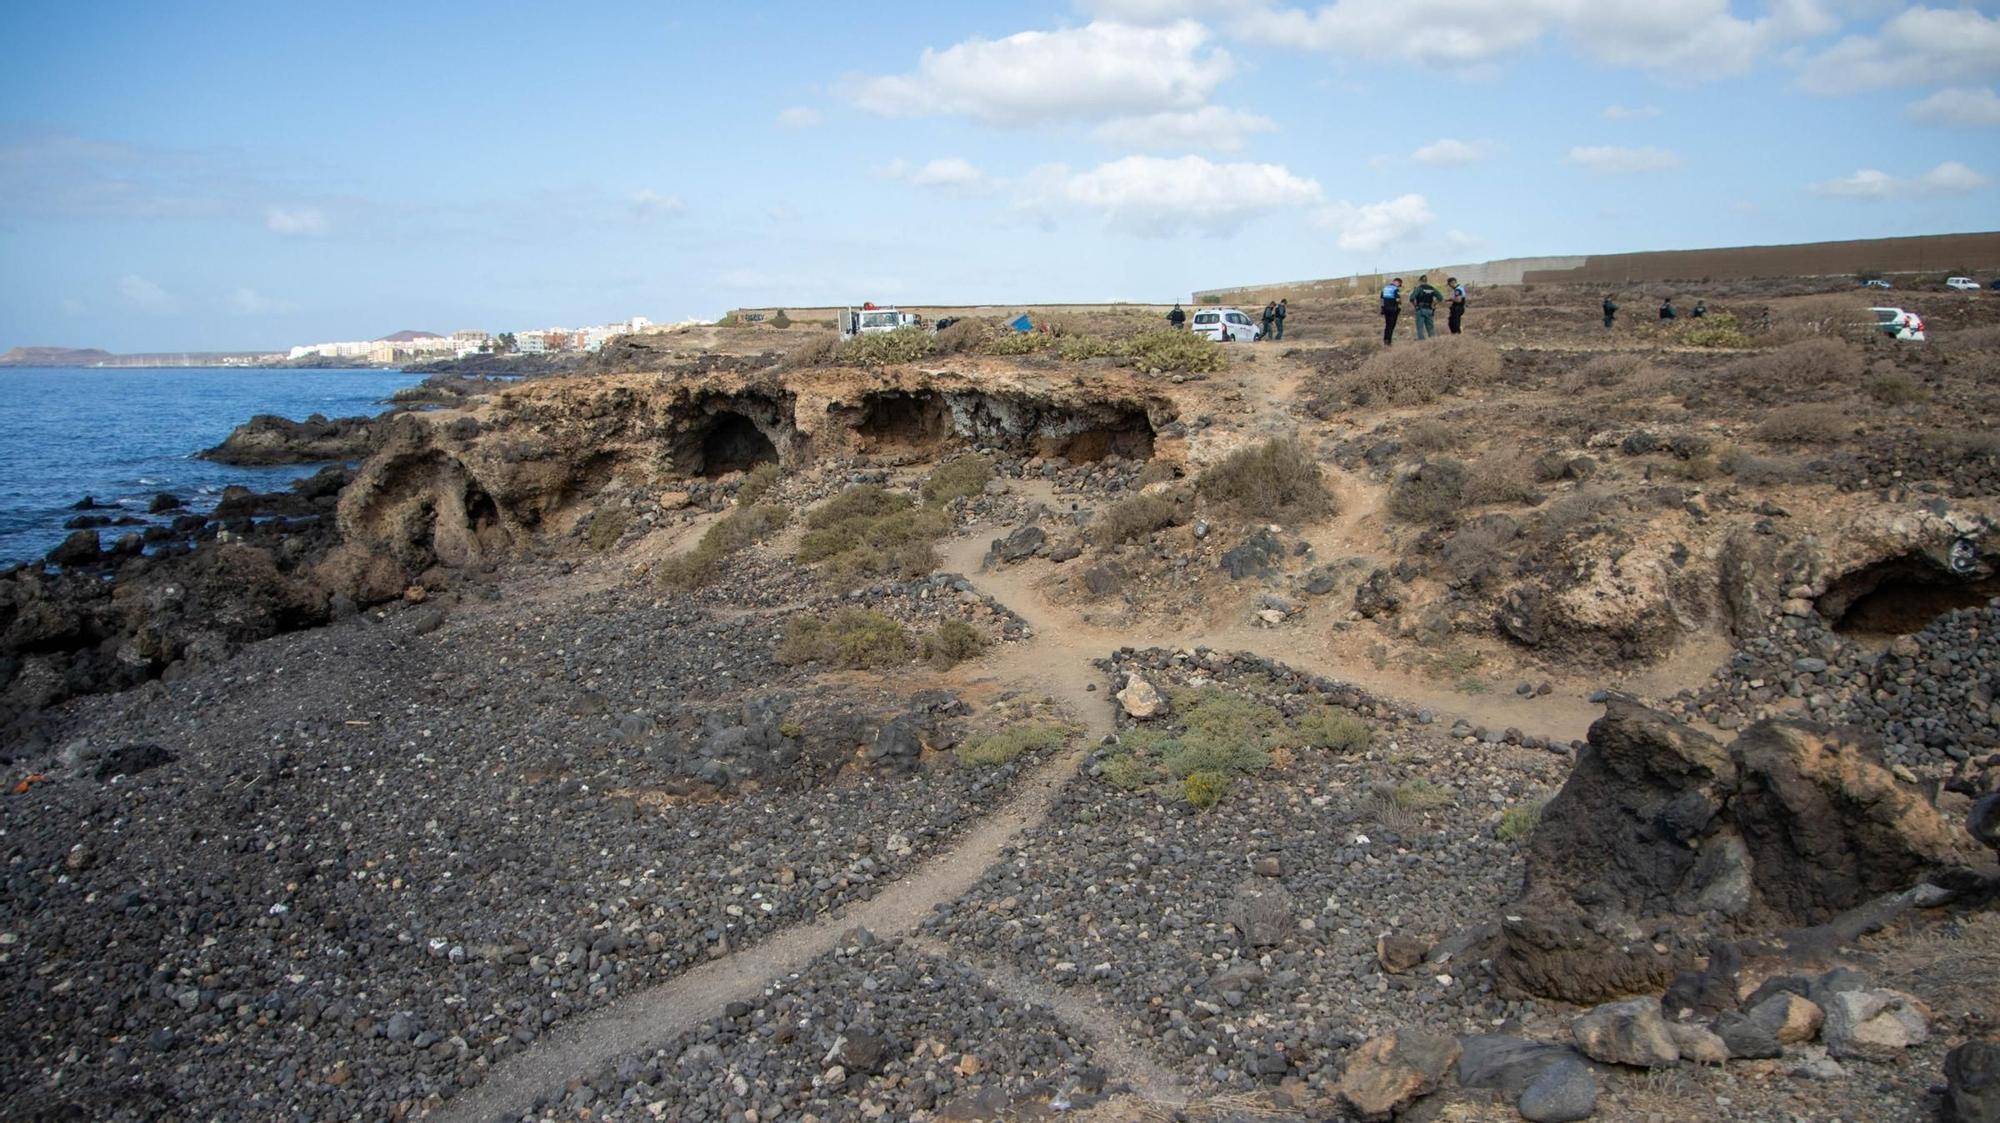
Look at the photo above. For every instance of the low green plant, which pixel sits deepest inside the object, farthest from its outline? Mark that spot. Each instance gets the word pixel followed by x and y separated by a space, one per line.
pixel 1432 494
pixel 849 637
pixel 757 483
pixel 866 532
pixel 961 479
pixel 1324 727
pixel 1519 821
pixel 1204 789
pixel 887 348
pixel 1076 348
pixel 1419 794
pixel 1017 343
pixel 607 526
pixel 1717 329
pixel 1278 479
pixel 1176 351
pixel 1008 745
pixel 1222 733
pixel 1132 518
pixel 736 531
pixel 1129 772
pixel 952 643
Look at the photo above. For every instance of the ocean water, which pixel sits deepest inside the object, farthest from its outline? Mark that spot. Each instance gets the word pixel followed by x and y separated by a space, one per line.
pixel 123 436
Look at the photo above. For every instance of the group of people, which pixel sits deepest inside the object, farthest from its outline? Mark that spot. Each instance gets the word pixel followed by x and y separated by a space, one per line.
pixel 1667 310
pixel 1424 299
pixel 1274 318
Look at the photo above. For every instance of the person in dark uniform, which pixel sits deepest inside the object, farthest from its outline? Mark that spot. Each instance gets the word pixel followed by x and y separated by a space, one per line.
pixel 1610 310
pixel 1392 309
pixel 1270 317
pixel 1425 301
pixel 1700 309
pixel 1457 305
pixel 1176 318
pixel 1667 309
pixel 1281 316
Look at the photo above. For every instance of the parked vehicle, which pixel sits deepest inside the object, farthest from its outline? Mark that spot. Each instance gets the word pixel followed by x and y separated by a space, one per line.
pixel 1962 284
pixel 870 319
pixel 1225 325
pixel 1877 283
pixel 1898 324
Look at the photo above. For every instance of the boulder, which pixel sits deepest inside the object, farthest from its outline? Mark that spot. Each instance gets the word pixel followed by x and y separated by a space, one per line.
pixel 1789 1017
pixel 1566 1091
pixel 1746 1039
pixel 1507 1065
pixel 1017 546
pixel 1263 918
pixel 1698 1044
pixel 1256 557
pixel 1376 596
pixel 1141 699
pixel 81 548
pixel 1972 1083
pixel 1389 1072
pixel 1399 953
pixel 1875 1024
pixel 1633 1032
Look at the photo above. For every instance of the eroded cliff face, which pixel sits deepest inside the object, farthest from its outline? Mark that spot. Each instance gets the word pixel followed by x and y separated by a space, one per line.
pixel 453 488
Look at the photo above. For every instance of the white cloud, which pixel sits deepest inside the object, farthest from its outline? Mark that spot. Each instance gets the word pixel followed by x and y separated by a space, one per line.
pixel 1153 195
pixel 1629 112
pixel 250 302
pixel 649 203
pixel 1919 46
pixel 800 117
pixel 1682 38
pixel 1099 71
pixel 144 295
pixel 304 222
pixel 1448 152
pixel 1613 160
pixel 1974 108
pixel 1948 178
pixel 1373 227
pixel 1212 126
pixel 951 173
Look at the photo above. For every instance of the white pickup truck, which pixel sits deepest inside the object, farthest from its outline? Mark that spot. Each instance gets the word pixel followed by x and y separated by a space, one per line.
pixel 869 320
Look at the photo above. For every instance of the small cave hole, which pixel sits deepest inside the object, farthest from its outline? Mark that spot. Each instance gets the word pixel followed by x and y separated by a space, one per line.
pixel 481 512
pixel 901 420
pixel 1129 436
pixel 734 444
pixel 1900 597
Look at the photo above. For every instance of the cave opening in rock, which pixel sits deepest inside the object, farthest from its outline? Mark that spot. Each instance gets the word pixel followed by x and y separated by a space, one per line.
pixel 1128 435
pixel 733 443
pixel 481 512
pixel 903 420
pixel 1901 596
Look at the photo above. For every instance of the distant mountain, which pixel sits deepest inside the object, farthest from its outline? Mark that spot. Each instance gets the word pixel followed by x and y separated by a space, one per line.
pixel 409 336
pixel 54 357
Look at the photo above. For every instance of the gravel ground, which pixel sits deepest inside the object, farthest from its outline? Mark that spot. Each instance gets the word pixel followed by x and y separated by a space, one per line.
pixel 389 852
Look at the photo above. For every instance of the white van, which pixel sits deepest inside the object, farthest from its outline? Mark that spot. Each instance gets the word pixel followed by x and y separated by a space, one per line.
pixel 1962 284
pixel 1225 325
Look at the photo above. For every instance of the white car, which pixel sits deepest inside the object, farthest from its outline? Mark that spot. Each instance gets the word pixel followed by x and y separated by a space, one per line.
pixel 1898 324
pixel 1962 284
pixel 1225 325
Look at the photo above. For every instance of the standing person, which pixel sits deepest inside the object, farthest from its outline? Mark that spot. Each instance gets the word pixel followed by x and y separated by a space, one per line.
pixel 1425 301
pixel 1281 316
pixel 1667 309
pixel 1457 304
pixel 1392 310
pixel 1176 318
pixel 1610 310
pixel 1270 317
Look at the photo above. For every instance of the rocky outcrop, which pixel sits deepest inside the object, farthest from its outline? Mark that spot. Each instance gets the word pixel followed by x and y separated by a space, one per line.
pixel 1663 840
pixel 268 439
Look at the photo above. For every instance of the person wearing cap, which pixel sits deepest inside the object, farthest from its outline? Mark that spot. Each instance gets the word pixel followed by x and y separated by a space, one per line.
pixel 1392 310
pixel 1610 310
pixel 1425 301
pixel 1176 318
pixel 1457 304
pixel 1280 317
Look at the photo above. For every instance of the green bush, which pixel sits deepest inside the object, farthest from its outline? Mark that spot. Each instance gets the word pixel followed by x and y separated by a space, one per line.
pixel 961 479
pixel 607 526
pixel 1176 351
pixel 1519 821
pixel 1008 745
pixel 1323 727
pixel 1132 518
pixel 850 637
pixel 1278 479
pixel 887 348
pixel 1017 343
pixel 1128 772
pixel 1717 329
pixel 1420 794
pixel 1222 733
pixel 738 530
pixel 952 643
pixel 1431 494
pixel 781 320
pixel 1204 789
pixel 758 483
pixel 866 532
pixel 1076 348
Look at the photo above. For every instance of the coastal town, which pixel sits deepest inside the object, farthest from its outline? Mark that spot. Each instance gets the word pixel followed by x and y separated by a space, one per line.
pixel 417 346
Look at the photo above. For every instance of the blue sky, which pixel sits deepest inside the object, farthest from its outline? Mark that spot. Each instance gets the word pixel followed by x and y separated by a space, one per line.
pixel 221 176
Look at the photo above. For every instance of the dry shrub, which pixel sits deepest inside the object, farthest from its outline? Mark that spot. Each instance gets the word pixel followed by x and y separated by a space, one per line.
pixel 1422 372
pixel 758 483
pixel 1894 388
pixel 1424 437
pixel 1502 477
pixel 1572 513
pixel 866 532
pixel 1277 480
pixel 737 531
pixel 1985 338
pixel 1134 518
pixel 850 637
pixel 1751 470
pixel 966 335
pixel 817 351
pixel 1965 444
pixel 1815 423
pixel 952 643
pixel 1433 493
pixel 1010 342
pixel 1156 472
pixel 887 348
pixel 607 526
pixel 961 479
pixel 1606 371
pixel 1808 362
pixel 1832 315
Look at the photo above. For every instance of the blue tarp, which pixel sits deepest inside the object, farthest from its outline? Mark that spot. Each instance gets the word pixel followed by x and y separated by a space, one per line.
pixel 1023 323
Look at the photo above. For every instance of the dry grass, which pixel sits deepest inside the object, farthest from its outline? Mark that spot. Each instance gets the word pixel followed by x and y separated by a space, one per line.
pixel 1808 362
pixel 1133 518
pixel 1630 373
pixel 740 529
pixel 866 532
pixel 1811 424
pixel 1958 963
pixel 1430 436
pixel 850 637
pixel 817 351
pixel 1506 476
pixel 1894 388
pixel 1277 480
pixel 1433 493
pixel 1421 372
